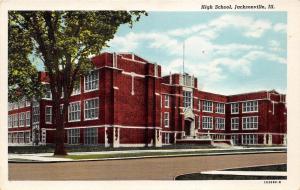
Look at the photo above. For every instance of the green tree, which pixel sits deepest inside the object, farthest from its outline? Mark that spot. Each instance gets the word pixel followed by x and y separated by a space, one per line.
pixel 63 40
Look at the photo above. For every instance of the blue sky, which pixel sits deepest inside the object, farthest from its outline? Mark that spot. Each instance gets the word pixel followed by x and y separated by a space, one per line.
pixel 229 52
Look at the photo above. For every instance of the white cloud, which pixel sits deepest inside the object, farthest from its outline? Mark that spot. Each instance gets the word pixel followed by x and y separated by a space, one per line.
pixel 279 27
pixel 275 46
pixel 254 55
pixel 209 60
pixel 250 27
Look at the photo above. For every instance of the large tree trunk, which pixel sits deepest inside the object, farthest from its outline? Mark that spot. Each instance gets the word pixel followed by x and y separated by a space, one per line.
pixel 60 131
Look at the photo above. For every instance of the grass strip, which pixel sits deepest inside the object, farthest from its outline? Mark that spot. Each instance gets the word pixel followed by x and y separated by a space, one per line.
pixel 126 155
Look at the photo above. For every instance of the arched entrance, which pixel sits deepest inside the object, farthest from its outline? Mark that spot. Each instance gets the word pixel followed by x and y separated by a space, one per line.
pixel 189 122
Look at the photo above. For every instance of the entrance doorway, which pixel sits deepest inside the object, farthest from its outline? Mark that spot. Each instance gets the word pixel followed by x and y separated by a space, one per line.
pixel 187 127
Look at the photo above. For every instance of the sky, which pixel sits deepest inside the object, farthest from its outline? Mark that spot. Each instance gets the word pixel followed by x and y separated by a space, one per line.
pixel 229 52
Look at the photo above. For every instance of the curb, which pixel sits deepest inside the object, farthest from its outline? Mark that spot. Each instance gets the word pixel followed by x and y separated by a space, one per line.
pixel 155 156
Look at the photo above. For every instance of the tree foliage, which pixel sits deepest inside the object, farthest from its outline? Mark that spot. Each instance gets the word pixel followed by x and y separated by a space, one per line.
pixel 64 41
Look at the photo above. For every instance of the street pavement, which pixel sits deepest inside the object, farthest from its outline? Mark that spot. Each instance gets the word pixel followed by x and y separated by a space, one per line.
pixel 138 169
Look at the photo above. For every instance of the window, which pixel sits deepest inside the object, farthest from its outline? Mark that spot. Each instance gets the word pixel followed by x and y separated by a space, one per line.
pixel 220 108
pixel 249 139
pixel 22 119
pixel 10 121
pixel 90 135
pixel 35 113
pixel 15 120
pixel 27 137
pixel 220 123
pixel 207 122
pixel 234 108
pixel 167 101
pixel 235 139
pixel 166 119
pixel 22 104
pixel 74 136
pixel 15 137
pixel 207 106
pixel 27 103
pixel 91 109
pixel 187 99
pixel 250 122
pixel 250 106
pixel 76 89
pixel 235 123
pixel 187 80
pixel 21 137
pixel 74 111
pixel 10 138
pixel 28 118
pixel 91 81
pixel 48 114
pixel 167 138
pixel 48 94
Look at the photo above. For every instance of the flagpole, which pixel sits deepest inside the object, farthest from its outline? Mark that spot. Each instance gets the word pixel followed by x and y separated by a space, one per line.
pixel 183 57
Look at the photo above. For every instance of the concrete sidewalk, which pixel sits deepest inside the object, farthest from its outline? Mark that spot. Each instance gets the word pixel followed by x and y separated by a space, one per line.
pixel 48 157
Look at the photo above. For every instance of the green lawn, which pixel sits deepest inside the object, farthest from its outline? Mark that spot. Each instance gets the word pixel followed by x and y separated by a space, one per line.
pixel 158 153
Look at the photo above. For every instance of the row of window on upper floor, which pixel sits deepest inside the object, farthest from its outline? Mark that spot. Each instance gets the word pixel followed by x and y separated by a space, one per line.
pixel 207 106
pixel 91 83
pixel 248 123
pixel 91 111
pixel 19 119
pixel 17 105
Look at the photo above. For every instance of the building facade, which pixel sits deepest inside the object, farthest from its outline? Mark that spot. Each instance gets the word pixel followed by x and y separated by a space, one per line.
pixel 125 102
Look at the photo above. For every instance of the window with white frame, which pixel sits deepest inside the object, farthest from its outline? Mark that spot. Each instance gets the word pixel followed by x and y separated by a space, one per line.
pixel 27 118
pixel 74 111
pixel 21 137
pixel 48 94
pixel 48 114
pixel 22 119
pixel 220 108
pixel 91 109
pixel 91 81
pixel 250 122
pixel 90 135
pixel 167 138
pixel 76 89
pixel 249 139
pixel 207 122
pixel 166 119
pixel 10 138
pixel 187 99
pixel 15 116
pixel 27 103
pixel 235 123
pixel 74 136
pixel 167 101
pixel 207 106
pixel 35 112
pixel 10 121
pixel 220 123
pixel 22 103
pixel 27 137
pixel 234 108
pixel 234 139
pixel 250 106
pixel 15 137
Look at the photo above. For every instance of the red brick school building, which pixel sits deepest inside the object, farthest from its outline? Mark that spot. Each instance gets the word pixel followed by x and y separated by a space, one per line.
pixel 125 102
